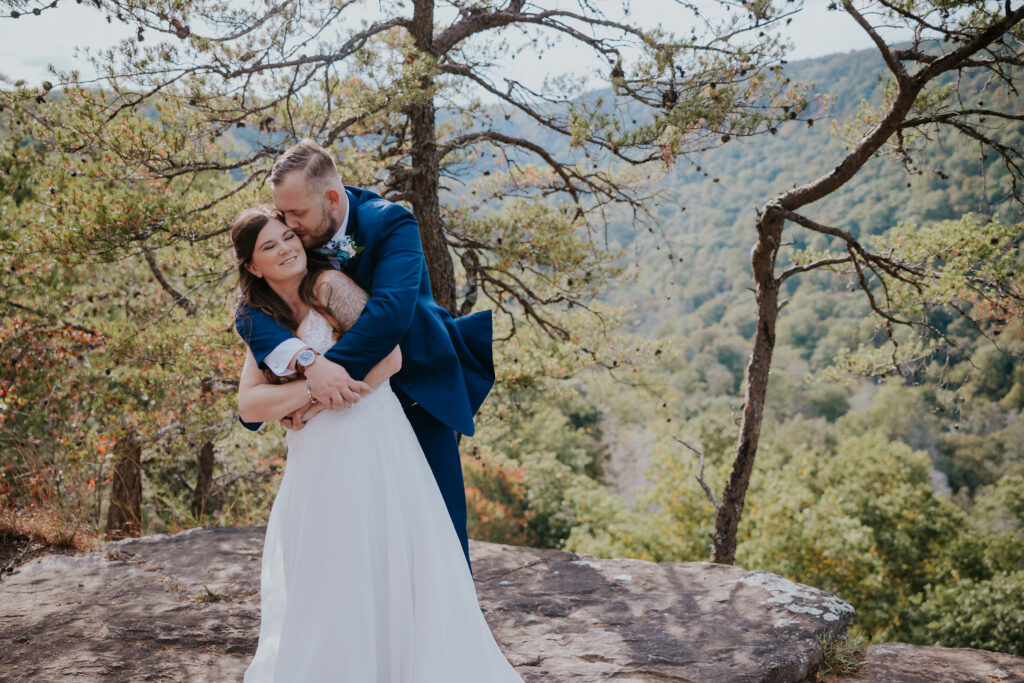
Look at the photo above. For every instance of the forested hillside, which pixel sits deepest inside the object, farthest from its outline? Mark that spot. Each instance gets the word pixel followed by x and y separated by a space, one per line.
pixel 903 494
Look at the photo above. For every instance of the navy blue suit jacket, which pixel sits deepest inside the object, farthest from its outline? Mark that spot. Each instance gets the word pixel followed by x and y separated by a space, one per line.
pixel 447 366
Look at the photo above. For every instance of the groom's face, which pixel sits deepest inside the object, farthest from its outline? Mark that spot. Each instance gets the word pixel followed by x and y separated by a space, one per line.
pixel 307 213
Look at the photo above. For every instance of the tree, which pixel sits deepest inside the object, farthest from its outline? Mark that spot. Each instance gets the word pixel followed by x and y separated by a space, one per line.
pixel 108 351
pixel 980 614
pixel 116 192
pixel 949 266
pixel 401 96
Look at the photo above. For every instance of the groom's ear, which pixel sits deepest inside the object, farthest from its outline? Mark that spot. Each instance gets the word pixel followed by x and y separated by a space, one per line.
pixel 333 197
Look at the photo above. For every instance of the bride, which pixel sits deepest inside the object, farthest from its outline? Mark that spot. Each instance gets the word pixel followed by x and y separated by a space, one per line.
pixel 363 577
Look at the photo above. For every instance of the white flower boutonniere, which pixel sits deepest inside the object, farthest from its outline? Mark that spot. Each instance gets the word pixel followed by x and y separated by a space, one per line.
pixel 344 249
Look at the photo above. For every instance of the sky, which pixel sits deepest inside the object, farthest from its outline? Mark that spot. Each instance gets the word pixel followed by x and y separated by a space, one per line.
pixel 30 43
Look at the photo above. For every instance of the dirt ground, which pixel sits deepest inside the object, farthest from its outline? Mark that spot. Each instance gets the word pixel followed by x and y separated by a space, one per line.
pixel 17 549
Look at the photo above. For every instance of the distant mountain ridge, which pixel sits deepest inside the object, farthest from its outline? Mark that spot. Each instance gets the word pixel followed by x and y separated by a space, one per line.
pixel 715 231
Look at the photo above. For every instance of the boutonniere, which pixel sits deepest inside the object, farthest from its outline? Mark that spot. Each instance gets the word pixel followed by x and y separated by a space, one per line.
pixel 344 249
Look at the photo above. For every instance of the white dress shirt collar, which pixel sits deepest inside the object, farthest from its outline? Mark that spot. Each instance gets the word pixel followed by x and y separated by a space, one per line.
pixel 340 235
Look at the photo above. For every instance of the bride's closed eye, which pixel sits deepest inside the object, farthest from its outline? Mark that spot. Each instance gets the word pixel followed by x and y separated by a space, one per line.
pixel 284 238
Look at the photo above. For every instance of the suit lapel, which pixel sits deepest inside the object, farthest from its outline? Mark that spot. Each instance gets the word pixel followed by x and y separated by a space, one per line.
pixel 351 228
pixel 354 267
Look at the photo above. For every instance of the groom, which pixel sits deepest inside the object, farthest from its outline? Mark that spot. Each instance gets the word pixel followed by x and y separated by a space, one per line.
pixel 447 367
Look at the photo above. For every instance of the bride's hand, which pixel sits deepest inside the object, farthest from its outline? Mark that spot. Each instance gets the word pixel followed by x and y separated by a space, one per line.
pixel 294 420
pixel 309 412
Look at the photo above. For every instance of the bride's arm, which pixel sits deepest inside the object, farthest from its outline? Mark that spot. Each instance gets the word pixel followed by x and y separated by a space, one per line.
pixel 260 401
pixel 346 300
pixel 388 366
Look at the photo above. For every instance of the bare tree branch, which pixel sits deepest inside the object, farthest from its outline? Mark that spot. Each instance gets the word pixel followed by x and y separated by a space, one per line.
pixel 894 64
pixel 807 267
pixel 178 297
pixel 700 476
pixel 973 45
pixel 48 316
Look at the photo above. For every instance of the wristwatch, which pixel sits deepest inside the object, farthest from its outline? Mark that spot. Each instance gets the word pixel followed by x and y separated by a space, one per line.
pixel 305 359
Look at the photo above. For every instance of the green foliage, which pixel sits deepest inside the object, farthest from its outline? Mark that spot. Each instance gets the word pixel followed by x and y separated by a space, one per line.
pixel 999 508
pixel 828 401
pixel 107 333
pixel 980 555
pixel 852 514
pixel 541 435
pixel 671 517
pixel 984 615
pixel 975 597
pixel 966 267
pixel 607 527
pixel 978 450
pixel 207 595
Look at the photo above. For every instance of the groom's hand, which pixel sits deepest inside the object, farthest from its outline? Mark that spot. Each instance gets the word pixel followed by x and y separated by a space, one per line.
pixel 332 386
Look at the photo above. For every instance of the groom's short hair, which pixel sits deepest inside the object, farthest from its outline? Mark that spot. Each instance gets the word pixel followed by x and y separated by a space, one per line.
pixel 307 156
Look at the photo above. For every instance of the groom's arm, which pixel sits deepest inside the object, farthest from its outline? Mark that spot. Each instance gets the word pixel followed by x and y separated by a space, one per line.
pixel 267 339
pixel 398 262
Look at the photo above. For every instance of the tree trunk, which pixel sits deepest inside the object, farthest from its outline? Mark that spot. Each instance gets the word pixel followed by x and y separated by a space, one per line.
pixel 204 480
pixel 425 176
pixel 124 516
pixel 730 508
pixel 770 222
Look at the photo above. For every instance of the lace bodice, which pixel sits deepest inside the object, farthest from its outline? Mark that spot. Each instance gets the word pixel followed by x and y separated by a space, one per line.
pixel 316 331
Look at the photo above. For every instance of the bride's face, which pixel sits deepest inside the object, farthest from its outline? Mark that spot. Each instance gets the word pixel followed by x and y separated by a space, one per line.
pixel 278 255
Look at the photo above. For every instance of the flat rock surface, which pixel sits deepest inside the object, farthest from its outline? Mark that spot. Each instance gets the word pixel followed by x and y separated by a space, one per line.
pixel 186 608
pixel 902 663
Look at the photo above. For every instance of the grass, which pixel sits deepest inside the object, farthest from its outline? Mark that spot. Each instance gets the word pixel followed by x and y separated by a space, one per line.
pixel 208 595
pixel 47 526
pixel 840 655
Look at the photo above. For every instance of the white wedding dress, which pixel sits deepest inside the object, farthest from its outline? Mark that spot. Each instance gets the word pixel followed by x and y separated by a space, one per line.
pixel 363 577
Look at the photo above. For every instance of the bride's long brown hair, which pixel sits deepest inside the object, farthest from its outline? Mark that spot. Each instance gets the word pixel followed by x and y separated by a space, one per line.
pixel 255 292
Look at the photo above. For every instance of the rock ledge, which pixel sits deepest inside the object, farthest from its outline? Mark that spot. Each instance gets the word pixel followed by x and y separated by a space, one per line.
pixel 902 663
pixel 186 607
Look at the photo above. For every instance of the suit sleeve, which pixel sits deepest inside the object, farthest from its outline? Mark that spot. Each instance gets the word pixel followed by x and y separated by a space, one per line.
pixel 398 262
pixel 260 331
